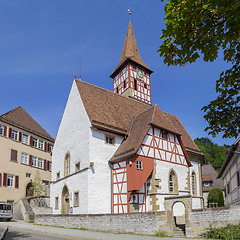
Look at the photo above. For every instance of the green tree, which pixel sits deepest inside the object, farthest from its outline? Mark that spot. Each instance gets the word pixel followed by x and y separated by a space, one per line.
pixel 215 195
pixel 195 27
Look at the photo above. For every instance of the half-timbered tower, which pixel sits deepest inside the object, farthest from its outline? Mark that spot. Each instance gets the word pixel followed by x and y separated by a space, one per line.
pixel 117 153
pixel 131 77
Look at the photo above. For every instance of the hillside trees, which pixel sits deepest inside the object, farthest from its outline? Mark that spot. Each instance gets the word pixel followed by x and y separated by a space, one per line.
pixel 213 153
pixel 205 27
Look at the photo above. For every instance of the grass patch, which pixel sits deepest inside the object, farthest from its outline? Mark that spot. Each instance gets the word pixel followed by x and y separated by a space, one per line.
pixel 161 234
pixel 229 232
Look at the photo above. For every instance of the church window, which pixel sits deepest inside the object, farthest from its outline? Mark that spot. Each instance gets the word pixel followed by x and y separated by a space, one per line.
pixel 139 164
pixel 173 182
pixel 56 203
pixel 193 183
pixel 109 140
pixel 77 166
pixel 58 176
pixel 67 164
pixel 76 199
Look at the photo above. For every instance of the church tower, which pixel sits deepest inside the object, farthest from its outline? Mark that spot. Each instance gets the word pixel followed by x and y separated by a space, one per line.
pixel 131 77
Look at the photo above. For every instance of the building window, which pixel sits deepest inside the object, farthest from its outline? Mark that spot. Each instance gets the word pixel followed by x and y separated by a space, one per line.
pixel 58 175
pixel 40 144
pixel 24 158
pixel 51 147
pixel 206 183
pixel 164 135
pixel 35 141
pixel 10 180
pixel 139 164
pixel 25 138
pixel 67 164
pixel 14 134
pixel 28 175
pixel 34 161
pixel 76 199
pixel 1 130
pixel 40 162
pixel 56 202
pixel 13 155
pixel 77 166
pixel 193 183
pixel 173 182
pixel 238 178
pixel 109 140
pixel 228 188
pixel 50 166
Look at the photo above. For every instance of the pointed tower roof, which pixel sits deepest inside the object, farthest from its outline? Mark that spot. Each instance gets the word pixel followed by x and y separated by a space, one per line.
pixel 18 117
pixel 130 50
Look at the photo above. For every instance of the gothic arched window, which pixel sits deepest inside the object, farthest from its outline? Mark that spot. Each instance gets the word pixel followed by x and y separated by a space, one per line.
pixel 194 183
pixel 173 182
pixel 67 164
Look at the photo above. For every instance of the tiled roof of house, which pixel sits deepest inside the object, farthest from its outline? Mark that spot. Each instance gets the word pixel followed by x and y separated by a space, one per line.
pixel 128 116
pixel 210 174
pixel 19 118
pixel 130 50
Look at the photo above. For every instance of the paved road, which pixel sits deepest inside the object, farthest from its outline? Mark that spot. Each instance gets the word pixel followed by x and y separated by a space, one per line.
pixel 23 230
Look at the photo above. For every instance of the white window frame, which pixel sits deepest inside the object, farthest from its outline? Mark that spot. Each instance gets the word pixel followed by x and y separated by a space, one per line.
pixel 139 165
pixel 206 184
pixel 14 134
pixel 35 142
pixel 110 140
pixel 50 166
pixel 10 179
pixel 24 158
pixel 51 147
pixel 25 138
pixel 40 144
pixel 2 130
pixel 34 161
pixel 40 163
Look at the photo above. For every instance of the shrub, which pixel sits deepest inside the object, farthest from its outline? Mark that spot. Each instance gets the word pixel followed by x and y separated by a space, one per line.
pixel 216 196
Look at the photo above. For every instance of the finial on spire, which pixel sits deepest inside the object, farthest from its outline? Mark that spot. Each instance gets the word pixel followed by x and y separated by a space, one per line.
pixel 129 11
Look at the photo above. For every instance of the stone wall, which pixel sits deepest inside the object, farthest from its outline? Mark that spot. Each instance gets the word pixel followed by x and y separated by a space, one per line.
pixel 197 221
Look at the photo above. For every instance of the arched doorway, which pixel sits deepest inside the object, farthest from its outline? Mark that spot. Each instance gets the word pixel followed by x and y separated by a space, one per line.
pixel 29 192
pixel 179 216
pixel 65 201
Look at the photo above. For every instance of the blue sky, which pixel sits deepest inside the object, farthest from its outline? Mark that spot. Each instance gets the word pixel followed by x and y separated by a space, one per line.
pixel 42 41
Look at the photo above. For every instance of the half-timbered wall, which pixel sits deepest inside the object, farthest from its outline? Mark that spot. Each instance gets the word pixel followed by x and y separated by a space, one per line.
pixel 127 78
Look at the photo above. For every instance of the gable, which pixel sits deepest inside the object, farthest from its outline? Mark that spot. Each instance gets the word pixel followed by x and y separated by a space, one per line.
pixel 168 149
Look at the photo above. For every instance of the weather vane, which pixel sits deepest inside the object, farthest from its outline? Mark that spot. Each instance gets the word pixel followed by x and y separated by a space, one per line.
pixel 129 11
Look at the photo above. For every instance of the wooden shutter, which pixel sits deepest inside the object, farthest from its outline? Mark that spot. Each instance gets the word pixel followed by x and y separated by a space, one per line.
pixel 20 137
pixel 48 165
pixel 48 147
pixel 13 155
pixel 238 178
pixel 30 160
pixel 10 132
pixel 16 181
pixel 31 140
pixel 0 179
pixel 5 131
pixel 45 164
pixel 4 179
pixel 45 146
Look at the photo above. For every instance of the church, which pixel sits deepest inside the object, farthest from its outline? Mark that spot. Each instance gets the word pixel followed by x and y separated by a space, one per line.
pixel 115 152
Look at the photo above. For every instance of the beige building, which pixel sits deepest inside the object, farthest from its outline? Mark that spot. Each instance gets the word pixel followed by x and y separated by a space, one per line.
pixel 25 147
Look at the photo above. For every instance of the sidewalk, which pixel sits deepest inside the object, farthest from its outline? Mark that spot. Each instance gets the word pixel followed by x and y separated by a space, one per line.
pixel 79 233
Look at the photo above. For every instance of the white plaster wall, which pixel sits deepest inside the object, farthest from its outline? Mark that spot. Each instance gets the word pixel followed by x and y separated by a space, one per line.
pixel 72 137
pixel 178 209
pixel 196 203
pixel 99 178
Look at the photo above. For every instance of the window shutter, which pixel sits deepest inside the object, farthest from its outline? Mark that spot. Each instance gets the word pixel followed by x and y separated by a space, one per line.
pixel 16 181
pixel 4 179
pixel 238 178
pixel 13 155
pixel 10 132
pixel 30 160
pixel 0 126
pixel 48 147
pixel 31 140
pixel 0 179
pixel 45 164
pixel 45 146
pixel 20 137
pixel 48 165
pixel 5 131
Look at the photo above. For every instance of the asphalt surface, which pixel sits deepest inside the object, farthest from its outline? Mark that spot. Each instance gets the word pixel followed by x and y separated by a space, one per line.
pixel 23 230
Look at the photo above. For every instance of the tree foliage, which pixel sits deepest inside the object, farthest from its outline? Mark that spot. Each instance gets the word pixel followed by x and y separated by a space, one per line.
pixel 215 195
pixel 195 27
pixel 37 186
pixel 213 153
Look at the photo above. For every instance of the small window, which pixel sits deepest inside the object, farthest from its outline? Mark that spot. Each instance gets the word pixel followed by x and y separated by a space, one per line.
pixel 50 166
pixel 228 188
pixel 1 130
pixel 164 135
pixel 25 138
pixel 34 161
pixel 206 183
pixel 171 186
pixel 58 175
pixel 110 140
pixel 24 158
pixel 117 90
pixel 56 202
pixel 40 162
pixel 13 155
pixel 67 164
pixel 139 164
pixel 76 199
pixel 40 144
pixel 135 84
pixel 35 141
pixel 124 84
pixel 77 167
pixel 193 183
pixel 14 134
pixel 51 147
pixel 28 175
pixel 10 180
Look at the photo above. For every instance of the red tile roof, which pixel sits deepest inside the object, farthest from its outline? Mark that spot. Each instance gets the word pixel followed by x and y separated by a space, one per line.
pixel 130 50
pixel 19 118
pixel 128 116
